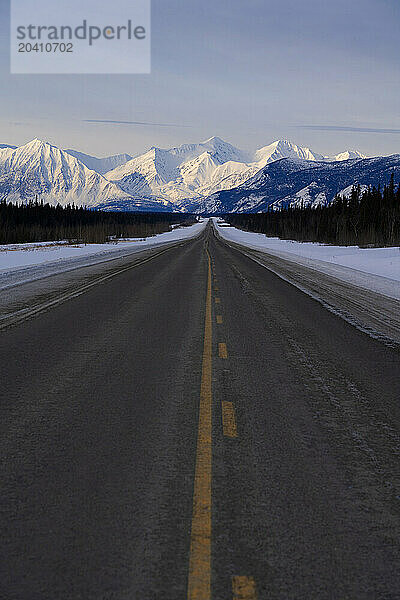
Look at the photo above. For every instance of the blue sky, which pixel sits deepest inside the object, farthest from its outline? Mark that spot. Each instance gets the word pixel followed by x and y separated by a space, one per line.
pixel 322 74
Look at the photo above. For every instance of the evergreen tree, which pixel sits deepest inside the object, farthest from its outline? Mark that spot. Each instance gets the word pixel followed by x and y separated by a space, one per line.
pixel 39 222
pixel 369 217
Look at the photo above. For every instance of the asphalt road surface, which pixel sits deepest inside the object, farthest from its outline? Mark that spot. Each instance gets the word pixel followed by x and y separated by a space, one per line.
pixel 192 426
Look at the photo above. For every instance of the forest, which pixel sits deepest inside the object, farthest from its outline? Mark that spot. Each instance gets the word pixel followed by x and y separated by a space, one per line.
pixel 369 217
pixel 39 222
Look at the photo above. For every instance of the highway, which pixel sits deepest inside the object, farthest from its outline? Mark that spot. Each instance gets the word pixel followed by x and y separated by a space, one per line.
pixel 184 424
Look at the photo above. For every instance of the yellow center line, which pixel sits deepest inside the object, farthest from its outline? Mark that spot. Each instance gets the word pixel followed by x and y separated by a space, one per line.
pixel 223 352
pixel 199 581
pixel 219 319
pixel 229 419
pixel 244 588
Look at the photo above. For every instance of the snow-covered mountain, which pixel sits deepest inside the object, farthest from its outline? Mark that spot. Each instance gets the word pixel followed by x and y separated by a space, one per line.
pixel 348 155
pixel 100 165
pixel 5 151
pixel 181 178
pixel 296 182
pixel 40 169
pixel 283 149
pixel 178 173
pixel 195 171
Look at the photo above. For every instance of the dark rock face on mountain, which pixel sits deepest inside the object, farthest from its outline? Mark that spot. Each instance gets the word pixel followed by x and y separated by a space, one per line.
pixel 294 182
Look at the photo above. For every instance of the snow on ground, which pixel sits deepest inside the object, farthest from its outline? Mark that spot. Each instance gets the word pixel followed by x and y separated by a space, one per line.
pixel 60 256
pixel 377 269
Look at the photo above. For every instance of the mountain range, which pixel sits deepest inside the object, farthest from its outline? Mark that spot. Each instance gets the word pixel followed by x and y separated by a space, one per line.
pixel 208 176
pixel 195 171
pixel 297 182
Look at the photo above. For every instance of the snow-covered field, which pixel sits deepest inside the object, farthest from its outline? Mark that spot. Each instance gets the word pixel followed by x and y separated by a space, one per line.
pixel 62 256
pixel 377 269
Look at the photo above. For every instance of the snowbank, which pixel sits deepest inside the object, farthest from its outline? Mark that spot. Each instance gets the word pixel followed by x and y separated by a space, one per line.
pixel 377 269
pixel 17 256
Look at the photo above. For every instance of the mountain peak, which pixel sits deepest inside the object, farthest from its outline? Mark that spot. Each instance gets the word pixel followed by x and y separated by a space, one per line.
pixel 37 145
pixel 348 155
pixel 37 142
pixel 214 139
pixel 283 142
pixel 287 144
pixel 39 169
pixel 284 149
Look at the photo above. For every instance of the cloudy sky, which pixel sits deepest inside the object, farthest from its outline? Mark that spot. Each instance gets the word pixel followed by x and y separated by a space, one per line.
pixel 325 74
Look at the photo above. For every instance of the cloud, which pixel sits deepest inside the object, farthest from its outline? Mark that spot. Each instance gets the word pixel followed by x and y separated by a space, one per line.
pixel 349 129
pixel 133 123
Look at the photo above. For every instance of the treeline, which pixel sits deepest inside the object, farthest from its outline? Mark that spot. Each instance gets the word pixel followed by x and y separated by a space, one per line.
pixel 38 222
pixel 366 218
